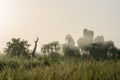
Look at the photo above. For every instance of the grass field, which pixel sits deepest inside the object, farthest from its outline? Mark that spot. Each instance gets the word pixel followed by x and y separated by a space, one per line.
pixel 66 68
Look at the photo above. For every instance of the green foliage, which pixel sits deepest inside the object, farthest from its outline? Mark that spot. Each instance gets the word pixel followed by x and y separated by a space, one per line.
pixel 94 64
pixel 53 47
pixel 69 48
pixel 17 47
pixel 74 51
pixel 55 57
pixel 70 68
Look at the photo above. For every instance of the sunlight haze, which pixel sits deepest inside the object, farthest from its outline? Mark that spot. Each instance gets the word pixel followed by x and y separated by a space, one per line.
pixel 52 20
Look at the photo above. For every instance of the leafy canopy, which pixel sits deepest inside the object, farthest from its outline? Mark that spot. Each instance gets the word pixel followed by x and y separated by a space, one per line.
pixel 17 47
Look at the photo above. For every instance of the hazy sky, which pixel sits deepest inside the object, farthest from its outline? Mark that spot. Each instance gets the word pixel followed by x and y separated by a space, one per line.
pixel 52 20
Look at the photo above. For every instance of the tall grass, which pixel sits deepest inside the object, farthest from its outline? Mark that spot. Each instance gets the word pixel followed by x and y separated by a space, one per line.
pixel 67 68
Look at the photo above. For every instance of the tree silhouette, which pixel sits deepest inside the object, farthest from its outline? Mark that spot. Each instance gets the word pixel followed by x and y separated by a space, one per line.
pixel 69 48
pixel 70 51
pixel 17 47
pixel 97 51
pixel 70 41
pixel 85 42
pixel 35 47
pixel 53 47
pixel 43 49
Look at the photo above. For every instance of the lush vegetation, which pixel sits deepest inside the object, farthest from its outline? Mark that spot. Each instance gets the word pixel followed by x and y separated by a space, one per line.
pixel 92 59
pixel 66 68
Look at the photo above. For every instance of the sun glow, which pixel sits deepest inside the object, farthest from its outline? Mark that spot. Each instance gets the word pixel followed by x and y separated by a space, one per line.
pixel 3 11
pixel 4 15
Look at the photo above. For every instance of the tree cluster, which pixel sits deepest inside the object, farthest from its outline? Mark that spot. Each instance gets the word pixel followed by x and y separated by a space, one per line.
pixel 86 46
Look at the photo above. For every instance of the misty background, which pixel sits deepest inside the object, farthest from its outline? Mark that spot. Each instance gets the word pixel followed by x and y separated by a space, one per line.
pixel 52 20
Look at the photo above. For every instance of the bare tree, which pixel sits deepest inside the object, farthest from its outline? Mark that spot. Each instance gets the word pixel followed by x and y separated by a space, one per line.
pixel 35 47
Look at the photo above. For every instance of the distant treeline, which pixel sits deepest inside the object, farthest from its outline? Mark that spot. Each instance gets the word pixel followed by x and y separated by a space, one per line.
pixel 87 47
